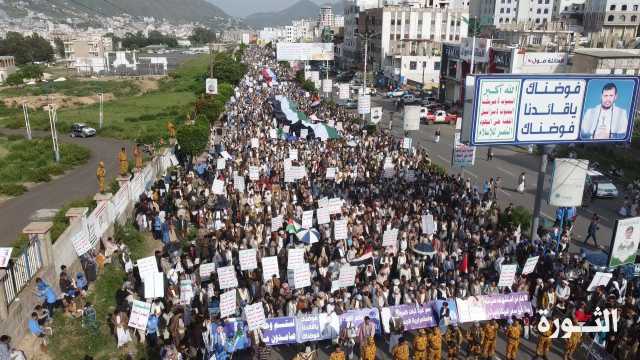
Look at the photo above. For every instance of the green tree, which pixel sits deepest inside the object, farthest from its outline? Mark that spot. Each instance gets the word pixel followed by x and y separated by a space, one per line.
pixel 201 36
pixel 26 49
pixel 32 71
pixel 193 139
pixel 59 47
pixel 14 79
pixel 227 69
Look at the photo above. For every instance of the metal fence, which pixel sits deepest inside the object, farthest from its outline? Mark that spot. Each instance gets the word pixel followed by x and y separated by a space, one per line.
pixel 22 269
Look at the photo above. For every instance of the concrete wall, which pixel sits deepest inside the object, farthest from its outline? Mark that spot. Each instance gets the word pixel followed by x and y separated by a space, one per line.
pixel 14 315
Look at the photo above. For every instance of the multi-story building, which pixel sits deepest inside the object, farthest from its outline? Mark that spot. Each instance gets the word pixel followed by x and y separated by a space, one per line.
pixel 506 13
pixel 7 67
pixel 326 17
pixel 86 53
pixel 611 23
pixel 411 31
pixel 351 49
pixel 606 61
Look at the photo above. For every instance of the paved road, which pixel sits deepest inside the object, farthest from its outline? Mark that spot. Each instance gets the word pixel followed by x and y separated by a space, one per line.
pixel 508 163
pixel 77 183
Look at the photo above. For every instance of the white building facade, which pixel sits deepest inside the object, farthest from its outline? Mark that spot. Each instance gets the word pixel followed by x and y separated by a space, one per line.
pixel 611 23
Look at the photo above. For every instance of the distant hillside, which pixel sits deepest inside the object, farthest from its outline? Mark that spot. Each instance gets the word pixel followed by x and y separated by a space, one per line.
pixel 175 11
pixel 301 10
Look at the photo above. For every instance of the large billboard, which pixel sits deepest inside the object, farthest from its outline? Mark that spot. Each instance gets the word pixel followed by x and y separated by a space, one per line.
pixel 552 109
pixel 567 182
pixel 625 242
pixel 304 51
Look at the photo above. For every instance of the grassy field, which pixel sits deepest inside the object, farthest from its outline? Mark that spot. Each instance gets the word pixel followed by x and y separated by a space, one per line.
pixel 32 161
pixel 136 117
pixel 75 87
pixel 71 340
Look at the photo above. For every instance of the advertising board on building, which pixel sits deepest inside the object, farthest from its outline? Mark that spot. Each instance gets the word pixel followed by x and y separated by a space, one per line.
pixel 551 109
pixel 626 238
pixel 305 51
pixel 481 52
pixel 544 59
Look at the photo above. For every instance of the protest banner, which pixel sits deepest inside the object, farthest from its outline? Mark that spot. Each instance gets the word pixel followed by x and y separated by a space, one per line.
pixel 218 187
pixel 356 318
pixel 227 277
pixel 335 206
pixel 323 216
pixel 323 202
pixel 301 276
pixel 147 266
pixel 186 291
pixel 295 258
pixel 488 307
pixel 293 154
pixel 254 173
pixel 599 279
pixel 390 237
pixel 255 143
pixel 530 265
pixel 413 316
pixel 279 331
pixel 255 316
pixel 308 328
pixel 153 285
pixel 248 259
pixel 5 256
pixel 228 303
pixel 276 223
pixel 347 276
pixel 307 219
pixel 220 164
pixel 273 133
pixel 206 269
pixel 238 183
pixel 331 173
pixel 406 143
pixel 139 315
pixel 340 229
pixel 507 275
pixel 270 267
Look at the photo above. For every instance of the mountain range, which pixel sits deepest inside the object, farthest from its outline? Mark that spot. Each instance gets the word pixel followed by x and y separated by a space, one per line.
pixel 175 11
pixel 244 8
pixel 303 9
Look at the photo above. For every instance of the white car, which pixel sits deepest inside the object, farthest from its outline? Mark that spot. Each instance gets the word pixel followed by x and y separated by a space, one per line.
pixel 605 187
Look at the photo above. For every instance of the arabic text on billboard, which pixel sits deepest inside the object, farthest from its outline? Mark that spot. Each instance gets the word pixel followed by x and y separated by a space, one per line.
pixel 305 51
pixel 549 109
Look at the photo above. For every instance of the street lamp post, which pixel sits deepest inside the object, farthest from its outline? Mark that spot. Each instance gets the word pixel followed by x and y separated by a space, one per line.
pixel 27 124
pixel 54 133
pixel 101 95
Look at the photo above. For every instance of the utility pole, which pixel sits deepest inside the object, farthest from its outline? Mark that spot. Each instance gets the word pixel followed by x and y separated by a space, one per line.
pixel 27 124
pixel 544 159
pixel 101 95
pixel 54 133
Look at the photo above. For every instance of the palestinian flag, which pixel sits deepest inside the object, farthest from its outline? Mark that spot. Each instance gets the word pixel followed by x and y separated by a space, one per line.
pixel 287 113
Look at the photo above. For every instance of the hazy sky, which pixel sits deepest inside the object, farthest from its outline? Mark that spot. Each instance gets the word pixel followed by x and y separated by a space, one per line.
pixel 242 8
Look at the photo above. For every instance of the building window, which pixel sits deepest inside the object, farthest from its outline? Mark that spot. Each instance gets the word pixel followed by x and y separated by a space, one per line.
pixel 538 21
pixel 612 7
pixel 622 18
pixel 420 22
pixel 419 36
pixel 635 7
pixel 539 1
pixel 457 37
pixel 623 7
pixel 546 1
pixel 506 20
pixel 546 11
pixel 413 65
pixel 508 10
pixel 436 65
pixel 500 20
pixel 391 37
pixel 633 18
pixel 610 18
pixel 538 11
pixel 393 21
pixel 501 10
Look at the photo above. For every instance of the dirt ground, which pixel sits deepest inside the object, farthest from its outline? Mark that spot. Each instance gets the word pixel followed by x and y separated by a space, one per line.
pixel 63 101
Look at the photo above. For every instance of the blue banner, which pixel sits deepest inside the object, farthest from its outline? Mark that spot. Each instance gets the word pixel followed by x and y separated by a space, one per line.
pixel 356 317
pixel 279 331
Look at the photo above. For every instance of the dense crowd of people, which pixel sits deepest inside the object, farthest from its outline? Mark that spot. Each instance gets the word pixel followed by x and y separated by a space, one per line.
pixel 473 237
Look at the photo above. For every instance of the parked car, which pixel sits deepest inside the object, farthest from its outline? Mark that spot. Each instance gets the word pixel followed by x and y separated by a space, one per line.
pixel 82 130
pixel 347 104
pixel 408 99
pixel 605 187
pixel 395 93
pixel 439 116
